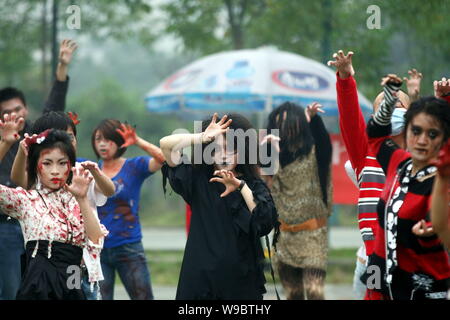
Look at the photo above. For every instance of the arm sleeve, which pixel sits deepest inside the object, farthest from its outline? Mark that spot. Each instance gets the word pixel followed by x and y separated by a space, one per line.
pixel 264 216
pixel 180 179
pixel 322 143
pixel 351 122
pixel 141 164
pixel 13 201
pixel 56 100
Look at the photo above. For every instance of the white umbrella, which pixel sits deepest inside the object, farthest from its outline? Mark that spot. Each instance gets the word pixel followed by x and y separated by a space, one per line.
pixel 248 81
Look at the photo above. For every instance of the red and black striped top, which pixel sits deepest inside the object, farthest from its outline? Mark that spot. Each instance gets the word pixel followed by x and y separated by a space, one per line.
pixel 423 263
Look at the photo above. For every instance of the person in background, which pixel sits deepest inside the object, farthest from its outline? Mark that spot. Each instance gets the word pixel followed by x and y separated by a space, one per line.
pixel 123 250
pixel 302 192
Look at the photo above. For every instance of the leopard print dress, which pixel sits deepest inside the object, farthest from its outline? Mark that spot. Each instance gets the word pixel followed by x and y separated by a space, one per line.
pixel 298 198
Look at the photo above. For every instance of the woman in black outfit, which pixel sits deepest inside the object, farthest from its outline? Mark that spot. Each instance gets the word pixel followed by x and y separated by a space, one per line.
pixel 231 209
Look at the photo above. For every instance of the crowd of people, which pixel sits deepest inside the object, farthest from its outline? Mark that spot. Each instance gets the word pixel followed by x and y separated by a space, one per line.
pixel 58 211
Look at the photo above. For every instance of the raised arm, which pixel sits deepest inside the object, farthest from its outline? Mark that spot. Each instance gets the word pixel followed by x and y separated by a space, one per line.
pixel 351 118
pixel 9 131
pixel 172 145
pixel 79 188
pixel 103 183
pixel 440 199
pixel 442 89
pixel 413 84
pixel 57 98
pixel 130 137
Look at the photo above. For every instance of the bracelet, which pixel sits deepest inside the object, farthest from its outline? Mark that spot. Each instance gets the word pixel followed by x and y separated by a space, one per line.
pixel 241 185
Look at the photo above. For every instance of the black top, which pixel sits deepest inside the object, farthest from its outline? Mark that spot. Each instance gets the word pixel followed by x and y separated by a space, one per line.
pixel 223 258
pixel 56 102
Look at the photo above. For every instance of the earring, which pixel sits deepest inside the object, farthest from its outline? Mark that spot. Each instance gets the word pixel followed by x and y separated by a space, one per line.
pixel 38 183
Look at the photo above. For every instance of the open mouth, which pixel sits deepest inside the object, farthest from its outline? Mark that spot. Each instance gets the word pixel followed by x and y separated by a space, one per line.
pixel 421 151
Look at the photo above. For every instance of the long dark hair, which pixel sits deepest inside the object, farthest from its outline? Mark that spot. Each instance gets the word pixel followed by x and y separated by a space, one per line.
pixel 295 133
pixel 55 139
pixel 439 109
pixel 247 169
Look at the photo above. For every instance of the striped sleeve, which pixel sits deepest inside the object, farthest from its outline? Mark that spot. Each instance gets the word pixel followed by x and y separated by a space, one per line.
pixel 387 106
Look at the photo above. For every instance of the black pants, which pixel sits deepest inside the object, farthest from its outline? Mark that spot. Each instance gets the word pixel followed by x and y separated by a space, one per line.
pixel 55 278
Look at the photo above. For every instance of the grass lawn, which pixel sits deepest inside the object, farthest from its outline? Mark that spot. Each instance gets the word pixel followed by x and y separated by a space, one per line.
pixel 165 267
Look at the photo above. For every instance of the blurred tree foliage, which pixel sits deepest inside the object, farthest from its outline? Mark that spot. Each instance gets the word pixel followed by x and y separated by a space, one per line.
pixel 413 33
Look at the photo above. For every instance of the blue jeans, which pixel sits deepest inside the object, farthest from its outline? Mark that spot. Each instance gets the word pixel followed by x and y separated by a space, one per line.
pixel 130 262
pixel 11 249
pixel 86 287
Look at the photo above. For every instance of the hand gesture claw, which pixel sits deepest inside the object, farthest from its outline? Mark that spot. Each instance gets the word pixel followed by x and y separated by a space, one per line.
pixel 441 88
pixel 228 179
pixel 215 128
pixel 10 127
pixel 128 134
pixel 312 110
pixel 66 50
pixel 343 64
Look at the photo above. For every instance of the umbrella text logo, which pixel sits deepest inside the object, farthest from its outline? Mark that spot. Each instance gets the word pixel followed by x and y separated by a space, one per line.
pixel 301 81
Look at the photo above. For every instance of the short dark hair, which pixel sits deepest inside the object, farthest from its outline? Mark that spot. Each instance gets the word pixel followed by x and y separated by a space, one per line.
pixel 55 139
pixel 53 120
pixel 9 93
pixel 437 108
pixel 108 129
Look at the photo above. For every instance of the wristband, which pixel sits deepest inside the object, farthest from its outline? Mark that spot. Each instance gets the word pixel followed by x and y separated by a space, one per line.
pixel 241 185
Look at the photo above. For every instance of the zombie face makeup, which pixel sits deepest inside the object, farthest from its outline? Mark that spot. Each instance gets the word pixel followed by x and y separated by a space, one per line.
pixel 106 149
pixel 224 159
pixel 53 168
pixel 424 138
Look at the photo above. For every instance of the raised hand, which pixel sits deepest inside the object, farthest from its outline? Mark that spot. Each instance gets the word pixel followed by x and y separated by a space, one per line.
pixel 413 83
pixel 128 134
pixel 74 117
pixel 391 78
pixel 10 127
pixel 228 179
pixel 80 183
pixel 66 50
pixel 420 229
pixel 273 139
pixel 312 110
pixel 441 88
pixel 215 128
pixel 91 166
pixel 343 64
pixel 443 161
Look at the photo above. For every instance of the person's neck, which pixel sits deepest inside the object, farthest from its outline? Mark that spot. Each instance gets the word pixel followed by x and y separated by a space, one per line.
pixel 112 163
pixel 417 166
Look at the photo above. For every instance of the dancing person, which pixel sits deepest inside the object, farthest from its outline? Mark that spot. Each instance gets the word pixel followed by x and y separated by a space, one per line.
pixel 370 175
pixel 410 265
pixel 302 192
pixel 231 209
pixel 123 250
pixel 54 214
pixel 13 100
pixel 100 187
